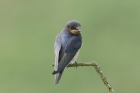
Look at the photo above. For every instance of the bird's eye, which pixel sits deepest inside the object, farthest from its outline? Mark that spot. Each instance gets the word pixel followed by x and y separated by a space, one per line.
pixel 73 28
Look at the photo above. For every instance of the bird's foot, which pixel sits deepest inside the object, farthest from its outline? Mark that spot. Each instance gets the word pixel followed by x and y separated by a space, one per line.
pixel 75 64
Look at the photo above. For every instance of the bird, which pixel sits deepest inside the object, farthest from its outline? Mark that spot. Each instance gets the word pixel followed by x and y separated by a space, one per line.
pixel 67 46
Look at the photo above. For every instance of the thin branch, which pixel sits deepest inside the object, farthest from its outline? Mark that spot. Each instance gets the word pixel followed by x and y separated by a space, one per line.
pixel 98 70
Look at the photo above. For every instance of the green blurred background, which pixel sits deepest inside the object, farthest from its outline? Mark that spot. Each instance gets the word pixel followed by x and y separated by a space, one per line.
pixel 110 31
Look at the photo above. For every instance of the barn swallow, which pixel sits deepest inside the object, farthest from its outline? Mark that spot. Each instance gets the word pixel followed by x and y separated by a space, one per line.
pixel 66 47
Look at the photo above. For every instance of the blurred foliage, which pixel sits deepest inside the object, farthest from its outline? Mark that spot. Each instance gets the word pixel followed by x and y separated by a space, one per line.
pixel 110 31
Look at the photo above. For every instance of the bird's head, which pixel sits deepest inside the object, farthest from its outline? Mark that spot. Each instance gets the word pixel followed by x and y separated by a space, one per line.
pixel 74 27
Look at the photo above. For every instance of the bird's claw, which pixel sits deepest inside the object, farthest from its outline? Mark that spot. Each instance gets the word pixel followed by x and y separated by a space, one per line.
pixel 75 64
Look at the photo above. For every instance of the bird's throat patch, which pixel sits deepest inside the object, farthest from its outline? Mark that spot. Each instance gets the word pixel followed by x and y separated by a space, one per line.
pixel 75 32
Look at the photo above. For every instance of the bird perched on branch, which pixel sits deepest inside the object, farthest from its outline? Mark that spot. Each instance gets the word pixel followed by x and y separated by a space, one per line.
pixel 67 45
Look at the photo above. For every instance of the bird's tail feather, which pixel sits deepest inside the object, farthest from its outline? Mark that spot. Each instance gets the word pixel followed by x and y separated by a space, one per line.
pixel 58 77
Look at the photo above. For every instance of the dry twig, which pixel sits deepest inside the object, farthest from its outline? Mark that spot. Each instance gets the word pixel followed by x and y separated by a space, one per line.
pixel 98 70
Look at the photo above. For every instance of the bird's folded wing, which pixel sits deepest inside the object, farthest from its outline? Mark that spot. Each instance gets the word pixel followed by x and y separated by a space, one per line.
pixel 57 47
pixel 64 62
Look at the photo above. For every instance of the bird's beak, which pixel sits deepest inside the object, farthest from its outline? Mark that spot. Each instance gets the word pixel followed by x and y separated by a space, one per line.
pixel 78 29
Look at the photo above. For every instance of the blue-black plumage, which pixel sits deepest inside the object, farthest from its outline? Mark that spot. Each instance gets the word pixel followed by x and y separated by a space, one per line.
pixel 67 45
